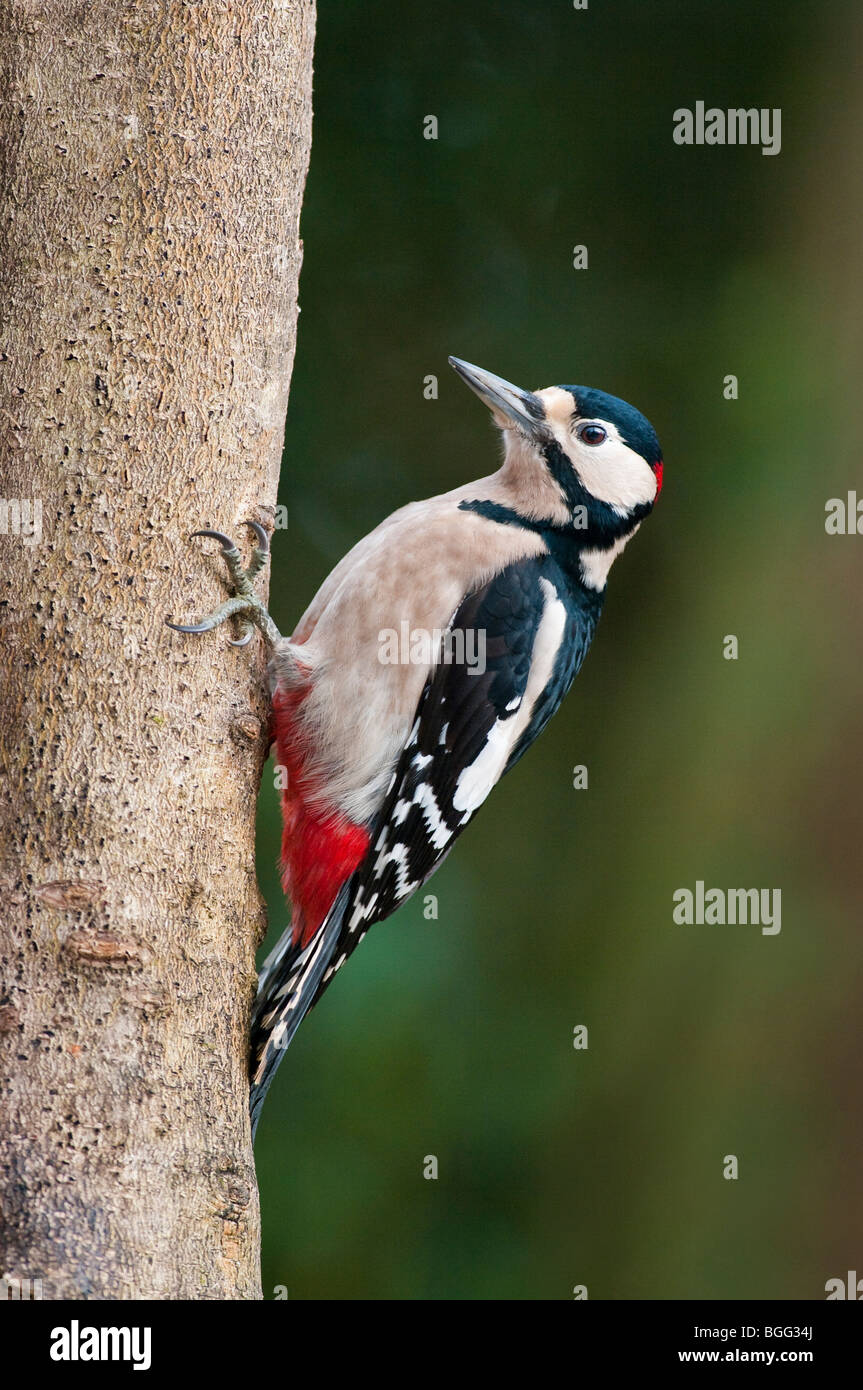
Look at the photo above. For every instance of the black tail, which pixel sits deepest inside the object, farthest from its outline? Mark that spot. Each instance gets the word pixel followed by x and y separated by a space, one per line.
pixel 289 984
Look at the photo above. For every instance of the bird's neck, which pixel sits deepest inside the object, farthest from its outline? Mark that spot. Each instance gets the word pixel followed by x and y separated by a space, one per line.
pixel 584 555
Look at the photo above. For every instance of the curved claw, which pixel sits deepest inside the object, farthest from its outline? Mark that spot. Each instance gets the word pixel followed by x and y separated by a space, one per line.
pixel 224 541
pixel 187 627
pixel 262 537
pixel 243 601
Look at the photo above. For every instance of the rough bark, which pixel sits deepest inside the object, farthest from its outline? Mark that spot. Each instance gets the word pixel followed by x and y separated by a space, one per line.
pixel 153 160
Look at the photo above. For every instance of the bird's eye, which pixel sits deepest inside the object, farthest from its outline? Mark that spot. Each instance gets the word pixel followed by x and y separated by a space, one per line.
pixel 591 434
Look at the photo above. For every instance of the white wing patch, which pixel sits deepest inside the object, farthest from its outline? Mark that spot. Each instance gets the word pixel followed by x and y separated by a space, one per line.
pixel 477 779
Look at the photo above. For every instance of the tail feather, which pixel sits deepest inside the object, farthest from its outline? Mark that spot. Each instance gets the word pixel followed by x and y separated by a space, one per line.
pixel 289 983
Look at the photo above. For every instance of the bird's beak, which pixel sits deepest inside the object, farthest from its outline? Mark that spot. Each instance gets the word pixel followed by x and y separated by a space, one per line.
pixel 509 403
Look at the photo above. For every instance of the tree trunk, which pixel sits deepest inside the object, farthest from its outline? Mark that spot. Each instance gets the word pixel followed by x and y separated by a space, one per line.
pixel 153 161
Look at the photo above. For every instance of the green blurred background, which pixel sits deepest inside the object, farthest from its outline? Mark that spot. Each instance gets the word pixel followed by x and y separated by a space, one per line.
pixel 454 1037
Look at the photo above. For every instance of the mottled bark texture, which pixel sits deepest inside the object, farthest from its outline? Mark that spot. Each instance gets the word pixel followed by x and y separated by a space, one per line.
pixel 153 161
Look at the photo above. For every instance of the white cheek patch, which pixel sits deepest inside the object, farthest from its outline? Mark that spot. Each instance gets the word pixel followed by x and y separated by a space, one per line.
pixel 614 473
pixel 611 472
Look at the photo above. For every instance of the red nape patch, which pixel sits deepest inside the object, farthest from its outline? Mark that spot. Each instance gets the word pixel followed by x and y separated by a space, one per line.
pixel 320 848
pixel 657 469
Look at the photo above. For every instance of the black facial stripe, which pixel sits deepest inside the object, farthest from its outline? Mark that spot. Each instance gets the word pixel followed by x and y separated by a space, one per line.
pixel 561 469
pixel 603 517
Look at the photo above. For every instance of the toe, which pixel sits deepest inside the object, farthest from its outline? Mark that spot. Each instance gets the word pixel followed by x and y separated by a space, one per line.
pixel 262 537
pixel 224 541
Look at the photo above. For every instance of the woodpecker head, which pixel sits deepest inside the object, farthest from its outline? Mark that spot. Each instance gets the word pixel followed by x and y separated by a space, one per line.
pixel 576 456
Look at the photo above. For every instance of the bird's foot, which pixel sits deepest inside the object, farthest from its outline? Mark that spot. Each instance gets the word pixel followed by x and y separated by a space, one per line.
pixel 245 604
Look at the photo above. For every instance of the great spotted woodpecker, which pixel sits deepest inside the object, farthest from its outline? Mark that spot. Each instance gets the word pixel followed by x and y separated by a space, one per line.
pixel 387 761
